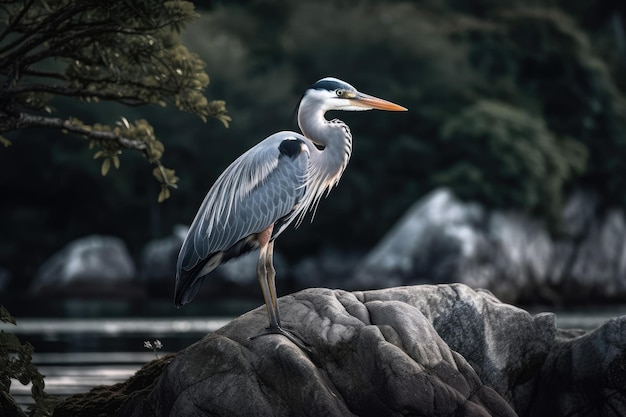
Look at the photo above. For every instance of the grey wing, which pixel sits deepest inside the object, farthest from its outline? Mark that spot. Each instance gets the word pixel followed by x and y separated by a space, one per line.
pixel 263 186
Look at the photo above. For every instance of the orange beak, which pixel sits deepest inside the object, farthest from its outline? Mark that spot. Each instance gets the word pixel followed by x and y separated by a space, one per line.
pixel 371 102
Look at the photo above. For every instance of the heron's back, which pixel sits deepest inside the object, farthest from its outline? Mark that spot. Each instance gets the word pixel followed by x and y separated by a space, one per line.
pixel 262 187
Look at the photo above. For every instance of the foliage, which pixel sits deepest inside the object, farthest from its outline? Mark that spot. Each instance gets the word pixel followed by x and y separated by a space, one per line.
pixel 526 95
pixel 503 156
pixel 439 61
pixel 122 51
pixel 16 363
pixel 540 60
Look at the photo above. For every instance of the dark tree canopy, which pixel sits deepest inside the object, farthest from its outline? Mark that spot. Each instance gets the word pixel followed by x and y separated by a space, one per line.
pixel 125 51
pixel 512 104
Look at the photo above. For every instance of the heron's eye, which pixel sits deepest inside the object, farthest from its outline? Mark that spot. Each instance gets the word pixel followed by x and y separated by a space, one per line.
pixel 340 93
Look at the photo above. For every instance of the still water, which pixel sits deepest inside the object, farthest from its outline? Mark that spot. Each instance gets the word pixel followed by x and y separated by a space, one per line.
pixel 76 354
pixel 82 343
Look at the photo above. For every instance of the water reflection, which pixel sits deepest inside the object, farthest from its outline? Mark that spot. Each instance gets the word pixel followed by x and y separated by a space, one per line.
pixel 111 335
pixel 76 355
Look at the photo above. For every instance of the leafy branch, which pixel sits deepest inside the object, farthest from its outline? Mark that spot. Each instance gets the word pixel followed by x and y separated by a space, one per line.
pixel 125 51
pixel 16 363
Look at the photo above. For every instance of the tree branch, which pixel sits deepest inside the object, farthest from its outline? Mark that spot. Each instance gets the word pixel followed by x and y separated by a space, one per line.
pixel 25 120
pixel 63 91
pixel 17 20
pixel 45 74
pixel 62 39
pixel 37 34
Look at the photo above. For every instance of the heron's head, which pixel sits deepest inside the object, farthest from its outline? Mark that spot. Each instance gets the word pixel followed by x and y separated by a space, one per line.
pixel 333 94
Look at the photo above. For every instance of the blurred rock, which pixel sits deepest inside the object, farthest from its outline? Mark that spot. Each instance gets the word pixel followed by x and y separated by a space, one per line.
pixel 94 265
pixel 591 263
pixel 158 262
pixel 427 243
pixel 442 239
pixel 425 350
pixel 328 269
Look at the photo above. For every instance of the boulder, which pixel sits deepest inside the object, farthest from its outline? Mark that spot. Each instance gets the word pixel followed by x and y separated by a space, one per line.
pixel 443 350
pixel 329 269
pixel 94 265
pixel 158 257
pixel 591 260
pixel 157 267
pixel 428 243
pixel 442 239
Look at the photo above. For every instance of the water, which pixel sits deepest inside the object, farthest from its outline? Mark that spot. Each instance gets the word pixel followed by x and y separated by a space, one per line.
pixel 77 354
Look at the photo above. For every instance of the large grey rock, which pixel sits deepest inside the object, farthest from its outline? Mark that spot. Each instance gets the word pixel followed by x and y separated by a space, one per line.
pixel 410 351
pixel 584 374
pixel 329 269
pixel 442 239
pixel 95 265
pixel 157 267
pixel 591 260
pixel 427 243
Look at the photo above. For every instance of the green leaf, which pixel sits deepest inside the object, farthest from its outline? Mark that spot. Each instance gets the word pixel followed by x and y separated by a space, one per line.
pixel 5 142
pixel 5 316
pixel 106 164
pixel 164 194
pixel 10 342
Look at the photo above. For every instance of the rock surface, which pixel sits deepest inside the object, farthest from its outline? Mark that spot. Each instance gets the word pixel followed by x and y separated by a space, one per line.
pixel 442 239
pixel 410 351
pixel 94 265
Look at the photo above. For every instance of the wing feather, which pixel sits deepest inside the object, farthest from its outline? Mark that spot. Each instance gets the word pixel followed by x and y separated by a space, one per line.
pixel 257 189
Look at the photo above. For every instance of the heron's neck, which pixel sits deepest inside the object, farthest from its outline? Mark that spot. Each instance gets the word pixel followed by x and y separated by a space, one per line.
pixel 334 136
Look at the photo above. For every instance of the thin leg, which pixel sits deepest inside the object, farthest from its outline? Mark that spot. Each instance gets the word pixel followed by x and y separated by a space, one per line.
pixel 267 278
pixel 262 273
pixel 271 279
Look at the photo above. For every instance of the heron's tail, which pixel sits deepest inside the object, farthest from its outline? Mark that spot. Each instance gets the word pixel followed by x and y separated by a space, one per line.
pixel 189 282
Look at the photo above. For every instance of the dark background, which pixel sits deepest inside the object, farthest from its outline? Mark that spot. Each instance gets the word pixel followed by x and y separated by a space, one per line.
pixel 514 104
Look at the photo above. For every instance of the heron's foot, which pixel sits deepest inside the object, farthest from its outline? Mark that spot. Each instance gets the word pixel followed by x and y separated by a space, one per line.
pixel 279 330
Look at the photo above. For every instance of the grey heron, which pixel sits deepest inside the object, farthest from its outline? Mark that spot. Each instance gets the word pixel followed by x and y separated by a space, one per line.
pixel 273 184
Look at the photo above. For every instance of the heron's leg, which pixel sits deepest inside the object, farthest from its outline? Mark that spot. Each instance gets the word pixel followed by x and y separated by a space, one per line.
pixel 262 274
pixel 271 279
pixel 267 278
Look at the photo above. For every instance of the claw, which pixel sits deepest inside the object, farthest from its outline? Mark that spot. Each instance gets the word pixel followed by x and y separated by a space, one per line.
pixel 279 330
